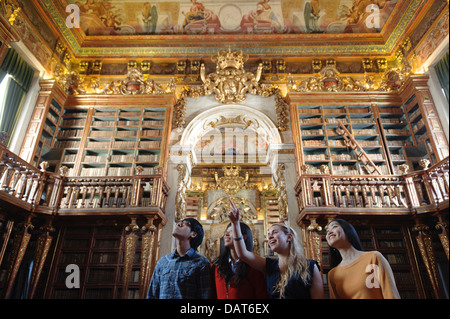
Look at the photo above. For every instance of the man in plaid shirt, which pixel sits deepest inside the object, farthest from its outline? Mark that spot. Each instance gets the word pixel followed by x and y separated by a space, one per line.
pixel 184 273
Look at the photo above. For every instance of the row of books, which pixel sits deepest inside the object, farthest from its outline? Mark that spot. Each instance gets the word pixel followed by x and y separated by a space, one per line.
pixel 73 122
pixel 412 115
pixel 124 114
pixel 399 143
pixel 418 124
pixel 95 159
pixel 153 158
pixel 398 132
pixel 70 133
pixel 67 144
pixel 48 128
pixel 119 171
pixel 52 118
pixel 394 120
pixel 365 132
pixel 393 110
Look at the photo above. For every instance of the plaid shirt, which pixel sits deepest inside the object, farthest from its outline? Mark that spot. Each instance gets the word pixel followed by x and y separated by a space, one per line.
pixel 181 277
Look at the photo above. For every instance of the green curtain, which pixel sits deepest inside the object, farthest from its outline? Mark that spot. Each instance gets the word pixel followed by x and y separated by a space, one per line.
pixel 442 74
pixel 17 87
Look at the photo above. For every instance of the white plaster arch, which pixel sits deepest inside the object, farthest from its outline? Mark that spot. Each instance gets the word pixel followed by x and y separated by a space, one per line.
pixel 193 131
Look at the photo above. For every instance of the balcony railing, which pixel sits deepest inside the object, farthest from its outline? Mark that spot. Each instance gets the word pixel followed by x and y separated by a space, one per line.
pixel 32 189
pixel 415 192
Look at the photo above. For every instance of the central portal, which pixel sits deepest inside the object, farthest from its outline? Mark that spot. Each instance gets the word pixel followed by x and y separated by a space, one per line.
pixel 232 151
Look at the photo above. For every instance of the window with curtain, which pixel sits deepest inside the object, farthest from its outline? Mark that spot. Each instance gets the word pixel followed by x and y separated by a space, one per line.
pixel 441 69
pixel 15 80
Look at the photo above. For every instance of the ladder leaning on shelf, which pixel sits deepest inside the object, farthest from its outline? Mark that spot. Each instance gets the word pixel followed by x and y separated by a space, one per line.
pixel 362 155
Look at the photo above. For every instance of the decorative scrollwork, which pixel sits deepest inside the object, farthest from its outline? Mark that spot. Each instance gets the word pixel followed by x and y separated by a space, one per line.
pixel 328 80
pixel 230 82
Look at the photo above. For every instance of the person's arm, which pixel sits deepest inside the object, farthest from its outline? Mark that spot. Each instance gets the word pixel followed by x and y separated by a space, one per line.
pixel 253 260
pixel 387 281
pixel 331 288
pixel 317 284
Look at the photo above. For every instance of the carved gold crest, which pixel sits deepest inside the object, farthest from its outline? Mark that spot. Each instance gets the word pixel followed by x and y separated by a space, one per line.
pixel 231 182
pixel 230 82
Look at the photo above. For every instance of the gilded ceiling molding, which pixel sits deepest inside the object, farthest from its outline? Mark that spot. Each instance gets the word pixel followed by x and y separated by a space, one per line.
pixel 134 84
pixel 11 10
pixel 328 80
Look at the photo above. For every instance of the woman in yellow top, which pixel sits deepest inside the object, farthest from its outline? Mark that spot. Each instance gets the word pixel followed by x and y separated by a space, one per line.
pixel 356 274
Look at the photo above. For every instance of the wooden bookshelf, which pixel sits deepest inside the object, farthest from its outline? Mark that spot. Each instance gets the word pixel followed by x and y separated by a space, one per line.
pixel 98 252
pixel 112 141
pixel 322 145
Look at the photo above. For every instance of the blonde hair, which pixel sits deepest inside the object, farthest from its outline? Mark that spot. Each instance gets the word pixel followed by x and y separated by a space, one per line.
pixel 297 261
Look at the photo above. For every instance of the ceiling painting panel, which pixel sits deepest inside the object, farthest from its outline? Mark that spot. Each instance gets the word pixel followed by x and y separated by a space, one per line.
pixel 138 17
pixel 138 28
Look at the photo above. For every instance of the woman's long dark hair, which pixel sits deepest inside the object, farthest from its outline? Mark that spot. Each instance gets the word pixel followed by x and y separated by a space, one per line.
pixel 223 261
pixel 352 236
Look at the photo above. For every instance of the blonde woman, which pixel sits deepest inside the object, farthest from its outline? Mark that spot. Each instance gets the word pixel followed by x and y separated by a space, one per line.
pixel 292 275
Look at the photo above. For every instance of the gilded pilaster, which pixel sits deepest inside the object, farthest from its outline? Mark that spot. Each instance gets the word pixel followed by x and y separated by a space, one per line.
pixel 147 255
pixel 42 248
pixel 6 236
pixel 315 242
pixel 20 244
pixel 442 227
pixel 131 240
pixel 424 242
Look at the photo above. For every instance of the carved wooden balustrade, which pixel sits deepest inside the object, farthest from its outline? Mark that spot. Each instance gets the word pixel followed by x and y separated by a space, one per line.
pixel 22 181
pixel 96 193
pixel 23 185
pixel 416 192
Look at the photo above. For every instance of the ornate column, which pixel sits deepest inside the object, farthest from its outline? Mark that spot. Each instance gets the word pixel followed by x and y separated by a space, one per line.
pixel 180 200
pixel 148 255
pixel 20 244
pixel 442 227
pixel 42 248
pixel 315 242
pixel 8 225
pixel 131 240
pixel 425 244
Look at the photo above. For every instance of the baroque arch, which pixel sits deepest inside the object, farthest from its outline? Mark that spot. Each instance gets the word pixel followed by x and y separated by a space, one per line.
pixel 230 130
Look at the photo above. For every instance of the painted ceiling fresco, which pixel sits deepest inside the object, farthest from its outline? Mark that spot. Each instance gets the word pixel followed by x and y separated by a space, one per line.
pixel 141 17
pixel 192 28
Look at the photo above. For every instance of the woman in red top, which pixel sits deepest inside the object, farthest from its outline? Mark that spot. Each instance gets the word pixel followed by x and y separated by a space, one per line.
pixel 234 278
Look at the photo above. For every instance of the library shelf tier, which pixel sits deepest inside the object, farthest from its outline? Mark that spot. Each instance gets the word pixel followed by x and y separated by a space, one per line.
pixel 323 144
pixel 112 141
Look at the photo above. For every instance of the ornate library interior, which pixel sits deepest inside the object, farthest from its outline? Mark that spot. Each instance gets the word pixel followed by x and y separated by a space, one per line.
pixel 119 119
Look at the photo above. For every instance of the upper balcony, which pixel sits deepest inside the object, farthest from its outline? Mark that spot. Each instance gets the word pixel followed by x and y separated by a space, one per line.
pixel 29 189
pixel 412 193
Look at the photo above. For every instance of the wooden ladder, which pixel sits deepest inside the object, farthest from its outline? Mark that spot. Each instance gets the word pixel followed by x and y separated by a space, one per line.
pixel 361 155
